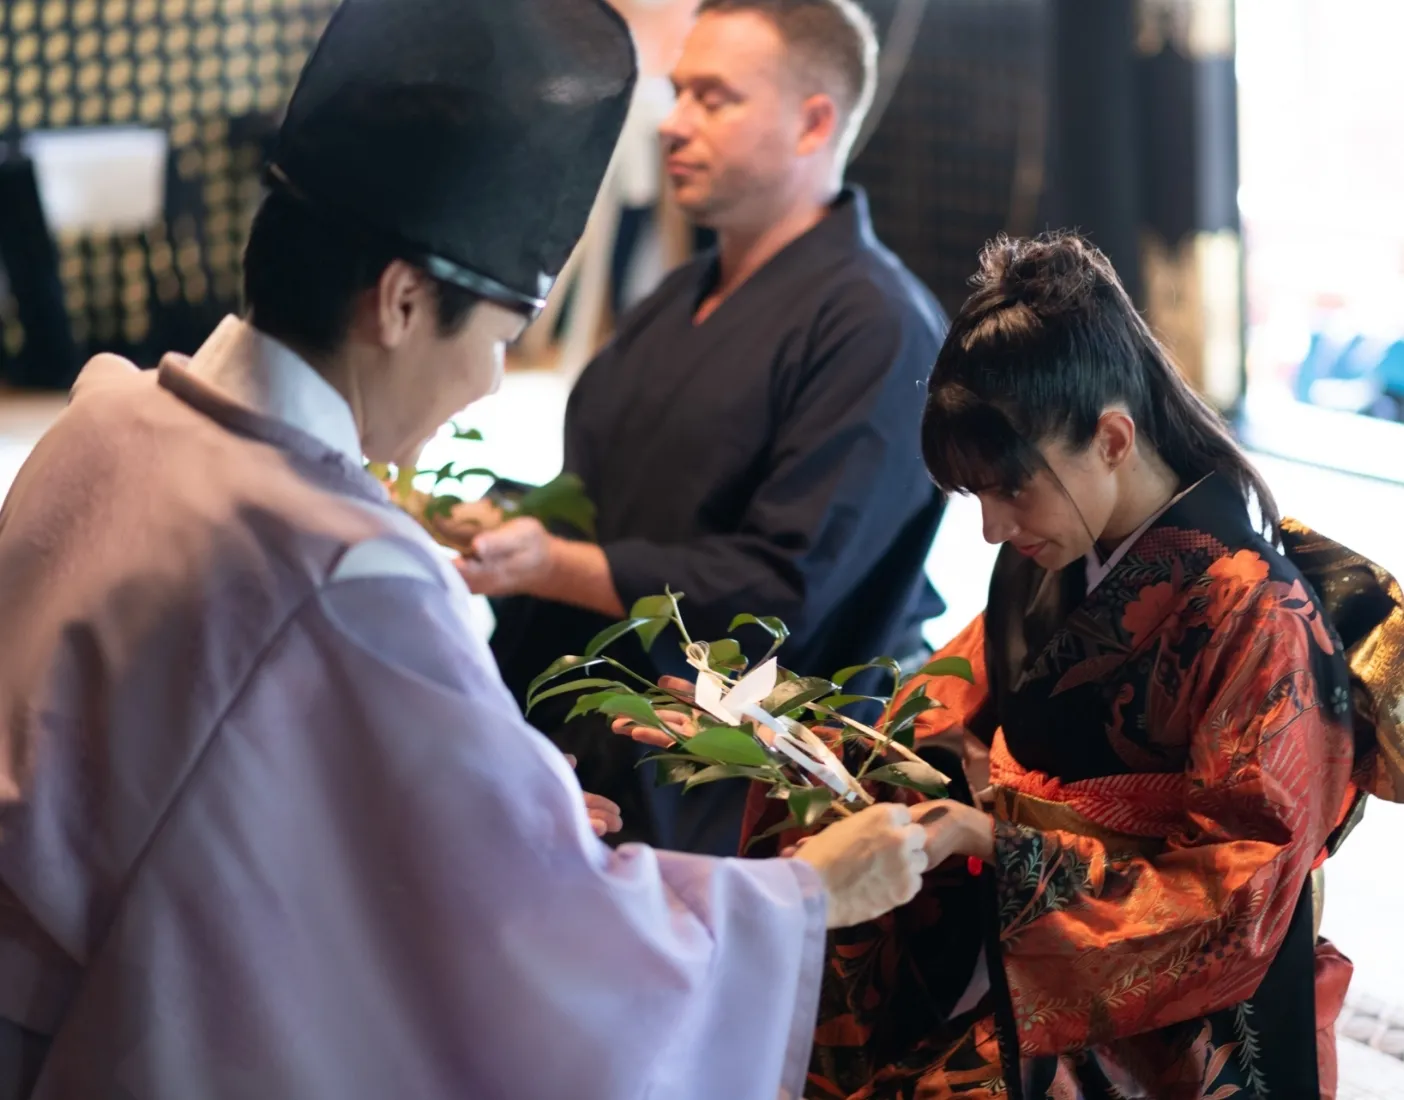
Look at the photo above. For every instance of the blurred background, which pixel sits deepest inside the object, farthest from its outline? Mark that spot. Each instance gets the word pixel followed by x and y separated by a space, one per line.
pixel 1240 163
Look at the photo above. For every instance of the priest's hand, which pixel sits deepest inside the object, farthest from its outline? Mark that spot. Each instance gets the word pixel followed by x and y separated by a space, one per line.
pixel 870 863
pixel 955 829
pixel 605 816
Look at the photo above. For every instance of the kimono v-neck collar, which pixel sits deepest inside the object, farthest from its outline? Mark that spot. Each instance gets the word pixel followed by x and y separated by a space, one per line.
pixel 1098 571
pixel 256 386
pixel 844 229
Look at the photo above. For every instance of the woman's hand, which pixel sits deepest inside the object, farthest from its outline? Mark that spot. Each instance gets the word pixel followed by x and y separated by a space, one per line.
pixel 683 724
pixel 955 829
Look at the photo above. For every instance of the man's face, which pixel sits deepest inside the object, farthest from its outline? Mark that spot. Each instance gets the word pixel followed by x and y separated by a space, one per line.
pixel 733 135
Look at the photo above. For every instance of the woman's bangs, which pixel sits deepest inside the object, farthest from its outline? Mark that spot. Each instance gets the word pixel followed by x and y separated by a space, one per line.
pixel 975 449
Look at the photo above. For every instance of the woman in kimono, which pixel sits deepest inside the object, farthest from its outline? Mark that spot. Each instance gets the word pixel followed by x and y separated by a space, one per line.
pixel 1165 709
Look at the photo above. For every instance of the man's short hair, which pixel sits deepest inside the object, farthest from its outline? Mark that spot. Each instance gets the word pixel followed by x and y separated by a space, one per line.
pixel 303 272
pixel 834 45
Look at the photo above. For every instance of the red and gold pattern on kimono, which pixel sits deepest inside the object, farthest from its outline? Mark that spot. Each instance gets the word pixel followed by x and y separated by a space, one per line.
pixel 1171 756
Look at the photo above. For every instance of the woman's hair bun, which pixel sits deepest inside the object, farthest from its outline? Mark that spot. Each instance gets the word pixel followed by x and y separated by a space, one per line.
pixel 1052 274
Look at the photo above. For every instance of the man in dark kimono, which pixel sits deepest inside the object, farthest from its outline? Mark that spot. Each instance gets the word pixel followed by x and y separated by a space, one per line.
pixel 270 824
pixel 750 435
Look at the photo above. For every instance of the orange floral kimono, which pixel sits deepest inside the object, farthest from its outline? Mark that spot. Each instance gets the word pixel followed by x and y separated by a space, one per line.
pixel 1171 755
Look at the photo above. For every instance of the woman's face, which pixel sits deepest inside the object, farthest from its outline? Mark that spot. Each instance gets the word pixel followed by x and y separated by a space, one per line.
pixel 1061 511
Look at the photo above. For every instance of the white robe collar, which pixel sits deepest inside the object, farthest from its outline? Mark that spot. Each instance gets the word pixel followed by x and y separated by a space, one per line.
pixel 268 378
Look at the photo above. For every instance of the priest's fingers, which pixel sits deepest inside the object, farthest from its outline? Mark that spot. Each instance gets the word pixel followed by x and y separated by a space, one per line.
pixel 794 848
pixel 870 863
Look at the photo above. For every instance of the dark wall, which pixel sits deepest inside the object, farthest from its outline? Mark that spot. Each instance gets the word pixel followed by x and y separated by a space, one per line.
pixel 959 155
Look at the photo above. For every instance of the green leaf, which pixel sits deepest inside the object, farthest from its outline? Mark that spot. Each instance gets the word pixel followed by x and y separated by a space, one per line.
pixel 560 667
pixel 727 745
pixel 590 704
pixel 916 704
pixel 769 623
pixel 562 500
pixel 714 772
pixel 441 506
pixel 652 607
pixel 784 827
pixel 672 769
pixel 658 609
pixel 809 804
pixel 611 634
pixel 950 666
pixel 448 473
pixel 725 654
pixel 839 701
pixel 471 435
pixel 634 707
pixel 648 633
pixel 918 776
pixel 906 737
pixel 886 663
pixel 793 694
pixel 578 685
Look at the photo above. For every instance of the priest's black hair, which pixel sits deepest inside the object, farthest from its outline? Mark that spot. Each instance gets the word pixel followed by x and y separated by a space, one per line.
pixel 303 272
pixel 1046 342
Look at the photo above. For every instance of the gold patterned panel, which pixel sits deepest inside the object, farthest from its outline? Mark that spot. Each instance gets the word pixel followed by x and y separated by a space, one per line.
pixel 190 66
pixel 1366 605
pixel 1194 304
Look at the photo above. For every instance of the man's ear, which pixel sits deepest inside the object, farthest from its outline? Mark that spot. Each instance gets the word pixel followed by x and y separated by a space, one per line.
pixel 819 119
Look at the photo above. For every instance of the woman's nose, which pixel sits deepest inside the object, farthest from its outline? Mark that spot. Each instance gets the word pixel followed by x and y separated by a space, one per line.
pixel 997 523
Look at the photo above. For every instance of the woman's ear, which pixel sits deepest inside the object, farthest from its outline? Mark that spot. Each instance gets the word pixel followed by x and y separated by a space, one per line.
pixel 1116 437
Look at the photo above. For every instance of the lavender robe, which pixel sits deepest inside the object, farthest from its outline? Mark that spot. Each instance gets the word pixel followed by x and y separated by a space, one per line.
pixel 270 824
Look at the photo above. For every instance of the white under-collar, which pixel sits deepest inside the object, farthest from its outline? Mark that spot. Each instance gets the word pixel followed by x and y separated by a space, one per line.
pixel 1097 571
pixel 271 379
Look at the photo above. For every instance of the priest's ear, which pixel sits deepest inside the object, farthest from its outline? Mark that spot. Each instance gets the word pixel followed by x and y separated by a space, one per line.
pixel 819 123
pixel 402 299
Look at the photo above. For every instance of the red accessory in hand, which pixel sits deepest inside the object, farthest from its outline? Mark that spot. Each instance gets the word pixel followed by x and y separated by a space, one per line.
pixel 975 865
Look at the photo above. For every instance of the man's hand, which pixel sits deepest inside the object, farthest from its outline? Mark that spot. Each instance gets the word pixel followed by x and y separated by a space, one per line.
pixel 514 559
pixel 522 558
pixel 870 863
pixel 605 816
pixel 684 725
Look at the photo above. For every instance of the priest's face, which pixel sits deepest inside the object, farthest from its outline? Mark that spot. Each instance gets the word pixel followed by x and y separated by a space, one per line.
pixel 409 375
pixel 737 137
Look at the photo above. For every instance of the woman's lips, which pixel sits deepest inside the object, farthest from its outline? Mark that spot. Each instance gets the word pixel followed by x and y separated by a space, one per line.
pixel 1031 549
